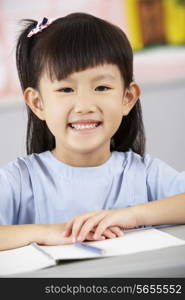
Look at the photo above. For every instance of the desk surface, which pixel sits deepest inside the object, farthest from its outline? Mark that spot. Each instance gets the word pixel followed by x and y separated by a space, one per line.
pixel 169 262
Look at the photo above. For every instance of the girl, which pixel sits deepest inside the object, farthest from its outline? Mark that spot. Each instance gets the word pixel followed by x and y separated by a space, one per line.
pixel 86 164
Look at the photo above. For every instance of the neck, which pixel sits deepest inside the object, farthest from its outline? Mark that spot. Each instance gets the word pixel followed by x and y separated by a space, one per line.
pixel 78 159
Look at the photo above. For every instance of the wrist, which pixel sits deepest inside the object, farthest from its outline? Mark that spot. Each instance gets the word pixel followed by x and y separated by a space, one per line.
pixel 37 233
pixel 139 215
pixel 47 234
pixel 40 233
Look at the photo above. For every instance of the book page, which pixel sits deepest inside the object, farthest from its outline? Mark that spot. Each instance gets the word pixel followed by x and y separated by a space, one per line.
pixel 24 259
pixel 131 242
pixel 34 257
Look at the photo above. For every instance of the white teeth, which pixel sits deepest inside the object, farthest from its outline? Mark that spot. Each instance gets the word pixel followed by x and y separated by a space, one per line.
pixel 77 126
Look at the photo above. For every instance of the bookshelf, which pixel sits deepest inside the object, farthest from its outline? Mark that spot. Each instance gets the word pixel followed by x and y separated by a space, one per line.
pixel 151 22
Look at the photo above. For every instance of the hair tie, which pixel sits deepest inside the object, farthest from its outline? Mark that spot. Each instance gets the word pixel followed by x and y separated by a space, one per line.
pixel 40 26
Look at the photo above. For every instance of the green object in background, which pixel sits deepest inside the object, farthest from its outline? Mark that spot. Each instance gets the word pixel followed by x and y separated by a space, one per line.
pixel 180 2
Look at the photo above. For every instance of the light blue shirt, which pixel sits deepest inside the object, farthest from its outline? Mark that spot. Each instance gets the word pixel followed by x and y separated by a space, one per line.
pixel 38 188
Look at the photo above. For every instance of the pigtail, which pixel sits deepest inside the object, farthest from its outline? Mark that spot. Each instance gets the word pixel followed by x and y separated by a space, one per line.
pixel 38 136
pixel 23 50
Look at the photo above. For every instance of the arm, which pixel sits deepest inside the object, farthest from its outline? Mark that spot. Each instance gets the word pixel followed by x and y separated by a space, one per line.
pixel 169 210
pixel 14 236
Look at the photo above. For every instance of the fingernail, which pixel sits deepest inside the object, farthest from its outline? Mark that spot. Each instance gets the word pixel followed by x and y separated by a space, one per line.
pixel 79 238
pixel 95 236
pixel 73 239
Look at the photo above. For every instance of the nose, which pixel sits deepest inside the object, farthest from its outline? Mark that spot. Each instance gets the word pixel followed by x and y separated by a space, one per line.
pixel 84 104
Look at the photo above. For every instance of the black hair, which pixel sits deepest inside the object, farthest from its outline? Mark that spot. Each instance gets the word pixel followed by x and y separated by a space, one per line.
pixel 70 44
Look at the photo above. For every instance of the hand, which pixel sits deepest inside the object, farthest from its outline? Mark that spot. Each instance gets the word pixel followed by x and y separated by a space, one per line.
pixel 99 222
pixel 53 234
pixel 110 233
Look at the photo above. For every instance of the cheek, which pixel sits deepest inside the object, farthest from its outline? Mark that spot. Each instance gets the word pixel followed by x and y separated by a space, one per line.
pixel 114 111
pixel 114 116
pixel 115 120
pixel 55 118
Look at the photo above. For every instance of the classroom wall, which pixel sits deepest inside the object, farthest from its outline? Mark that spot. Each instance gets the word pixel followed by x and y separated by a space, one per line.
pixel 164 118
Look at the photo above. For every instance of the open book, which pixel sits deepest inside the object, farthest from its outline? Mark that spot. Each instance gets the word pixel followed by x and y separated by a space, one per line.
pixel 34 257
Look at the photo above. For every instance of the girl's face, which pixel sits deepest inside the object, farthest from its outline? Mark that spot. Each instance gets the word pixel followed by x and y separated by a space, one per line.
pixel 83 112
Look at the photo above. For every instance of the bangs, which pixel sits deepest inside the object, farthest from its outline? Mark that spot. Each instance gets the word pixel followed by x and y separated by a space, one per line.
pixel 73 44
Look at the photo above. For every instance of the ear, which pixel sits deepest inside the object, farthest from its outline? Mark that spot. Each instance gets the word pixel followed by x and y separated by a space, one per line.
pixel 130 97
pixel 33 99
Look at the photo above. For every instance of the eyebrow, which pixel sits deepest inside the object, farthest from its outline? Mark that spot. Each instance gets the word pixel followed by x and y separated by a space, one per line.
pixel 99 77
pixel 104 76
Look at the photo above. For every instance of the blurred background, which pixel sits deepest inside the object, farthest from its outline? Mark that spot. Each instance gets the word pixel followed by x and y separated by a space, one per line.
pixel 156 30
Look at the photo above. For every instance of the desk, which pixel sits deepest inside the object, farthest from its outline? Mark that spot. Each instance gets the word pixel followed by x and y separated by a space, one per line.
pixel 168 262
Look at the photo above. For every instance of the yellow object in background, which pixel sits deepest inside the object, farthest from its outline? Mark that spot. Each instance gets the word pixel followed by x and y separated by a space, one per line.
pixel 174 13
pixel 134 26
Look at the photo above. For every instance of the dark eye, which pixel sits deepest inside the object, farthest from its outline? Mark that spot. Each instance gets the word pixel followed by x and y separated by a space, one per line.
pixel 65 90
pixel 103 88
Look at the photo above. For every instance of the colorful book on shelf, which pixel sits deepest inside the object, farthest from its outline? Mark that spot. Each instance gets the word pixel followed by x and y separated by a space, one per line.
pixel 34 257
pixel 174 12
pixel 130 8
pixel 151 16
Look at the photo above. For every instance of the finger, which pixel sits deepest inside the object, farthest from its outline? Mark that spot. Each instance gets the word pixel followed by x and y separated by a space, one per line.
pixel 117 231
pixel 66 241
pixel 89 225
pixel 102 226
pixel 77 225
pixel 57 239
pixel 79 221
pixel 68 228
pixel 90 237
pixel 109 234
pixel 70 223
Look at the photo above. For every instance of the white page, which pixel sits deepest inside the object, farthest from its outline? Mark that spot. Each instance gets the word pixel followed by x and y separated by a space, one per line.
pixel 131 242
pixel 23 259
pixel 31 258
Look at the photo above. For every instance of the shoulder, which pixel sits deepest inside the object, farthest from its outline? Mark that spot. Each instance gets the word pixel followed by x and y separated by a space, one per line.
pixel 132 160
pixel 160 178
pixel 152 166
pixel 16 190
pixel 10 172
pixel 159 167
pixel 146 161
pixel 21 166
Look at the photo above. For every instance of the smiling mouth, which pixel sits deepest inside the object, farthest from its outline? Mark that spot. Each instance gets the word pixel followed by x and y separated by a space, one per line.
pixel 84 127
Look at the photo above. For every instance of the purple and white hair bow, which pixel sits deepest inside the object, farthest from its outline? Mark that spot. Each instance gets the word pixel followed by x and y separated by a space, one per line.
pixel 39 27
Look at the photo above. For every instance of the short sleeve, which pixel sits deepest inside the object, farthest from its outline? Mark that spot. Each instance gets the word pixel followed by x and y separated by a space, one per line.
pixel 162 180
pixel 10 192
